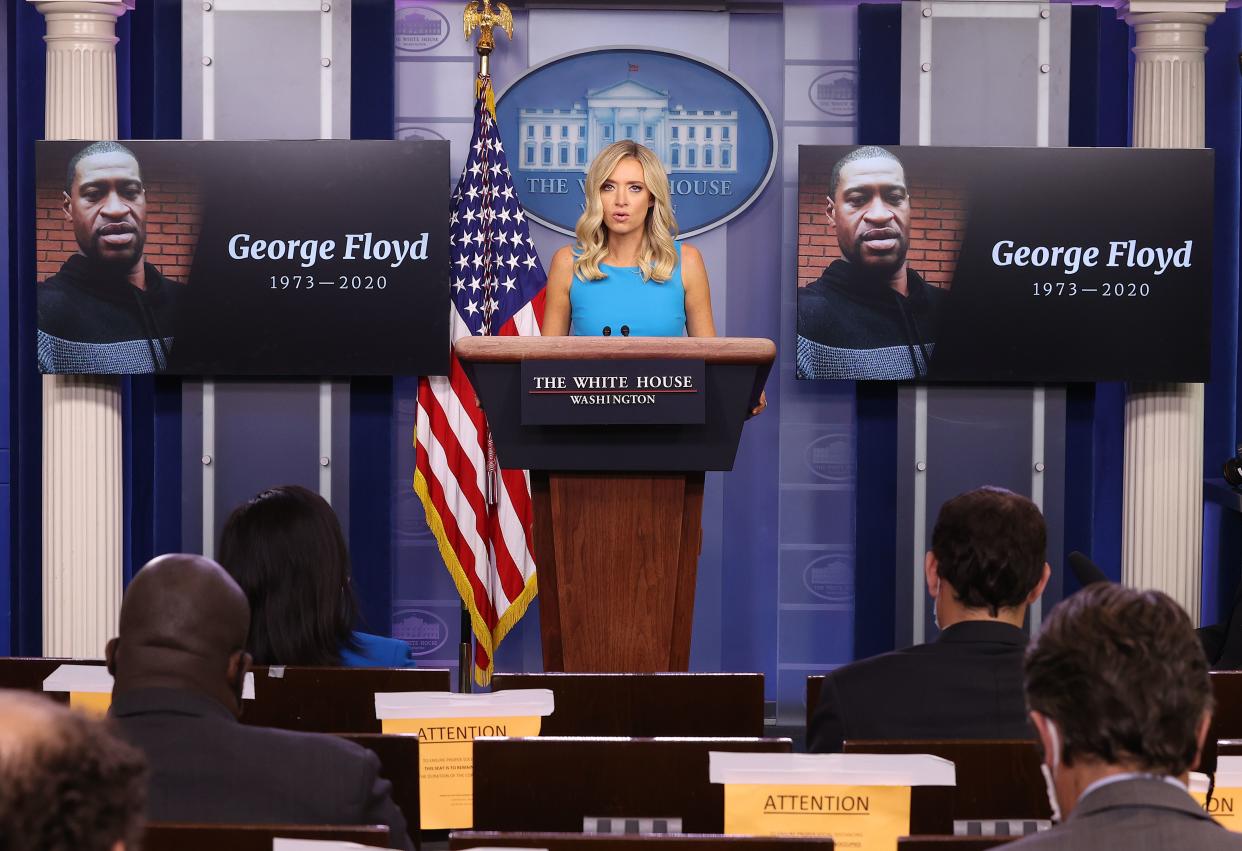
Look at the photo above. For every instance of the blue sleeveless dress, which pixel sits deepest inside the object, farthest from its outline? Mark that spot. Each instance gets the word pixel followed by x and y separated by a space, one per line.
pixel 622 298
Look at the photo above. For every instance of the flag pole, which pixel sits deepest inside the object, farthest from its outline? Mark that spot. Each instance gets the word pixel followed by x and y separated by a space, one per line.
pixel 481 16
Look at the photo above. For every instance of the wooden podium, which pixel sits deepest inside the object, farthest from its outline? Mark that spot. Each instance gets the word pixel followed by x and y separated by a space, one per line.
pixel 617 506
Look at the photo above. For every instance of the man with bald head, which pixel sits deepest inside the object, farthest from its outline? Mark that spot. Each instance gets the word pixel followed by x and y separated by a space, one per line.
pixel 179 664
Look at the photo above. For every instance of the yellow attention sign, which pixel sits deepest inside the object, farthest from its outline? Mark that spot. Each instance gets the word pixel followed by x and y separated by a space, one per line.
pixel 1223 807
pixel 446 763
pixel 92 703
pixel 859 817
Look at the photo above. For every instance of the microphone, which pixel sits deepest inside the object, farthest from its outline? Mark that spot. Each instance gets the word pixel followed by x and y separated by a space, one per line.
pixel 1085 570
pixel 607 330
pixel 625 330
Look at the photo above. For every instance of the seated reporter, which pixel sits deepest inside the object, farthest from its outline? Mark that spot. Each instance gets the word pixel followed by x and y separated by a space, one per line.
pixel 1119 692
pixel 285 549
pixel 67 781
pixel 179 665
pixel 985 567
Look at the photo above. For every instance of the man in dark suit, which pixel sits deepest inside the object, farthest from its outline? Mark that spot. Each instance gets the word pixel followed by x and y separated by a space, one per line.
pixel 179 663
pixel 986 565
pixel 1119 694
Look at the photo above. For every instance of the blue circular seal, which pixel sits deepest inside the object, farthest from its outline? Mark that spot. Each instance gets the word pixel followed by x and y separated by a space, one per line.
pixel 715 137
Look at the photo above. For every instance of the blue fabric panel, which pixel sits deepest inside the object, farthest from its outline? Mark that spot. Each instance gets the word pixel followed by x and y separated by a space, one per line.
pixel 1222 538
pixel 371 449
pixel 137 472
pixel 1079 473
pixel 875 573
pixel 373 90
pixel 1108 468
pixel 149 107
pixel 1222 529
pixel 6 598
pixel 125 49
pixel 875 562
pixel 372 433
pixel 1101 66
pixel 6 367
pixel 879 74
pixel 167 485
pixel 1085 94
pixel 1115 61
pixel 1223 87
pixel 154 87
pixel 25 87
pixel 1095 414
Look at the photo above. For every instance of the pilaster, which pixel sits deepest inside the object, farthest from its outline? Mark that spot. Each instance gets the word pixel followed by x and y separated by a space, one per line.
pixel 1162 525
pixel 82 472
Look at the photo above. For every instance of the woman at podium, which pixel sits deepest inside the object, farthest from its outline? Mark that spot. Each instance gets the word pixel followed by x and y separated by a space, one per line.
pixel 627 275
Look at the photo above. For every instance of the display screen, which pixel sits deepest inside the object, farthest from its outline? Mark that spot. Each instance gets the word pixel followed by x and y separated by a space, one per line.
pixel 1004 264
pixel 243 258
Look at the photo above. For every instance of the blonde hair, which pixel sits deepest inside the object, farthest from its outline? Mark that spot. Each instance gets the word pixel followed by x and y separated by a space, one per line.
pixel 657 255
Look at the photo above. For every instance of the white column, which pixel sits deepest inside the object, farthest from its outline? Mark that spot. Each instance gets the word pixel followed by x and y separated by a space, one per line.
pixel 82 526
pixel 1162 529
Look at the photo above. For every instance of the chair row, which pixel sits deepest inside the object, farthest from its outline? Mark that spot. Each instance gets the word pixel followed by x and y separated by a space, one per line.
pixel 642 705
pixel 203 837
pixel 668 778
pixel 586 704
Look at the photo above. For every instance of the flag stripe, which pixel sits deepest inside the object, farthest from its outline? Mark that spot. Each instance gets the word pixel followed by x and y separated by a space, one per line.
pixel 517 488
pixel 433 464
pixel 497 287
pixel 469 504
pixel 509 540
pixel 438 510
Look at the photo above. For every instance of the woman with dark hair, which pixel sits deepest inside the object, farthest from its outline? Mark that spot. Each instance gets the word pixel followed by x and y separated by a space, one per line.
pixel 285 549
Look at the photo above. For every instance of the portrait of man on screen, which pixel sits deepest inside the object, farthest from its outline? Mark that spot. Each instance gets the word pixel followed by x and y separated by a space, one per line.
pixel 107 310
pixel 869 315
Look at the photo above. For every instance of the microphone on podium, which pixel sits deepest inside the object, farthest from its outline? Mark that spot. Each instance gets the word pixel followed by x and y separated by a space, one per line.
pixel 607 331
pixel 625 330
pixel 1085 570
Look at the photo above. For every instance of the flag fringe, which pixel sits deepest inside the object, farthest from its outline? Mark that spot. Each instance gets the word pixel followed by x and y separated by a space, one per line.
pixel 512 615
pixel 488 639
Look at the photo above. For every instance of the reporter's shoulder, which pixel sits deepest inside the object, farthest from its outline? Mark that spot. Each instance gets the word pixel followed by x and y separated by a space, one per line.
pixel 376 651
pixel 867 669
pixel 317 747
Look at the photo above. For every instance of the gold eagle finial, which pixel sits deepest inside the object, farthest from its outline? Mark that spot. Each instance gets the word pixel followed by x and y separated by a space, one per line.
pixel 479 15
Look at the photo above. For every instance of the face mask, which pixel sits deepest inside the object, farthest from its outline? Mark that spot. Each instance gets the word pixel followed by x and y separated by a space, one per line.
pixel 936 605
pixel 1047 771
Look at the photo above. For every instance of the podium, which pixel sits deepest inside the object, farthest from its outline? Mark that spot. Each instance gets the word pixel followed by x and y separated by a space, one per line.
pixel 618 505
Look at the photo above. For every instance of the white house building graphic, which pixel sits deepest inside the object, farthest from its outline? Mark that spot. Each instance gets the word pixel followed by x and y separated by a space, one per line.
pixel 686 140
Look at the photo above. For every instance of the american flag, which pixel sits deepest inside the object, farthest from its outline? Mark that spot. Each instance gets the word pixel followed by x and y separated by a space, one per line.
pixel 481 515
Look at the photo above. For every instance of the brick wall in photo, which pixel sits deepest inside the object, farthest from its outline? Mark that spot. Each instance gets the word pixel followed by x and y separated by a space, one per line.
pixel 937 225
pixel 174 219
